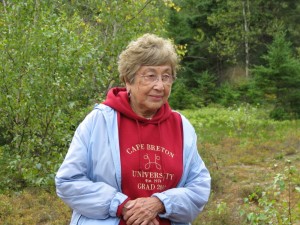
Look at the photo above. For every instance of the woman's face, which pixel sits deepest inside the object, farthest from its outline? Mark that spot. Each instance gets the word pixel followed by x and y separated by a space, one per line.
pixel 150 89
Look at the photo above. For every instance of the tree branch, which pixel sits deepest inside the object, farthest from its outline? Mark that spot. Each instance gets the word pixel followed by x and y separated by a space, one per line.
pixel 4 4
pixel 139 12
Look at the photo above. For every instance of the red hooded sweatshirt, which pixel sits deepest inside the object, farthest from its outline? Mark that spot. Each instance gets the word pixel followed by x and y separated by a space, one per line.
pixel 150 150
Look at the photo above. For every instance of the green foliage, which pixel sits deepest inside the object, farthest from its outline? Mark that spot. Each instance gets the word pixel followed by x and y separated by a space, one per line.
pixel 201 95
pixel 58 59
pixel 281 77
pixel 246 91
pixel 221 215
pixel 206 88
pixel 43 82
pixel 276 206
pixel 228 20
pixel 219 35
pixel 215 123
pixel 181 97
pixel 189 28
pixel 229 95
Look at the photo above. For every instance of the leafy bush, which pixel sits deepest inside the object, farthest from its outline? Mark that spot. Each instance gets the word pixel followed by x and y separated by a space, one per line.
pixel 182 98
pixel 215 123
pixel 228 94
pixel 275 205
pixel 58 59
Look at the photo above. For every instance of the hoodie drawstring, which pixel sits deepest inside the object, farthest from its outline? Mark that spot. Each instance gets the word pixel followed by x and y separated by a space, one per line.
pixel 140 142
pixel 160 152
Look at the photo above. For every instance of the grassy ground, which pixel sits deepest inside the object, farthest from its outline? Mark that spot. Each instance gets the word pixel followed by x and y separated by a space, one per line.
pixel 33 206
pixel 246 153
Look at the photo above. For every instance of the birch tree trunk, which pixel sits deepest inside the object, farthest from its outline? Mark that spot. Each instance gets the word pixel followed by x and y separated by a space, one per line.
pixel 246 40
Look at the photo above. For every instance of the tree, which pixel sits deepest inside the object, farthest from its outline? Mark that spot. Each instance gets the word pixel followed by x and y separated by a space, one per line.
pixel 189 28
pixel 244 27
pixel 280 77
pixel 223 36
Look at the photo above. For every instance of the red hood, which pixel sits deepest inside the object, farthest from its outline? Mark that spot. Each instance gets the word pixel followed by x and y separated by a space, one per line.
pixel 117 99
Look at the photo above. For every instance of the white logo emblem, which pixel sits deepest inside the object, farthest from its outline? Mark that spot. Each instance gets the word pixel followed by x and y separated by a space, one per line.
pixel 155 162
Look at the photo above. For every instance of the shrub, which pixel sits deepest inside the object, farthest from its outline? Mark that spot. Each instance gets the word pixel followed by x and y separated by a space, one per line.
pixel 281 77
pixel 275 205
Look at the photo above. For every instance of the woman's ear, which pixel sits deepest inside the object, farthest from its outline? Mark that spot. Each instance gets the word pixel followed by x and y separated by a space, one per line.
pixel 127 84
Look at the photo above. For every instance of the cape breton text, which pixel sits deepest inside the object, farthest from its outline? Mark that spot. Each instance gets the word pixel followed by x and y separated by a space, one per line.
pixel 149 147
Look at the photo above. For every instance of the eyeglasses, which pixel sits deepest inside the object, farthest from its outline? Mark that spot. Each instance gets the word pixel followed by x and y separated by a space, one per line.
pixel 152 78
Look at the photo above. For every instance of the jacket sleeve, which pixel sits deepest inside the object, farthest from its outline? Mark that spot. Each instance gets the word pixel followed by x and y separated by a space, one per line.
pixel 185 202
pixel 93 199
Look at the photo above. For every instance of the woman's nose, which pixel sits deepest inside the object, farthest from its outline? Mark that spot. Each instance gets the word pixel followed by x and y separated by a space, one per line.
pixel 159 84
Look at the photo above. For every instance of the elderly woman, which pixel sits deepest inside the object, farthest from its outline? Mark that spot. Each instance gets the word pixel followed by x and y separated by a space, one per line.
pixel 133 160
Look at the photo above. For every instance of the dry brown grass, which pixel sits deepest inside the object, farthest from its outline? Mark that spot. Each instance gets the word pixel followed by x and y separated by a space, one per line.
pixel 242 167
pixel 33 207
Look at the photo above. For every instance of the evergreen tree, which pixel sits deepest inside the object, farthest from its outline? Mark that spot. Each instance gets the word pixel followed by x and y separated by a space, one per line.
pixel 225 36
pixel 189 27
pixel 280 77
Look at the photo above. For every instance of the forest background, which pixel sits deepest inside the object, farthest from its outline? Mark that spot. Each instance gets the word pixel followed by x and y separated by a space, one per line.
pixel 240 74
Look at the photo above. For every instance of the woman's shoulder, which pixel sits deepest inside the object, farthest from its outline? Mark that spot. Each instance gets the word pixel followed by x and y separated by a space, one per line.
pixel 99 112
pixel 186 123
pixel 96 118
pixel 102 107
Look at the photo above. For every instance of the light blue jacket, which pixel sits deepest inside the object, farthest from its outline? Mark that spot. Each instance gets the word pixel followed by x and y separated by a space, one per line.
pixel 89 179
